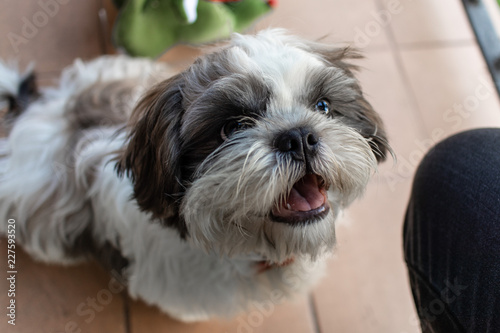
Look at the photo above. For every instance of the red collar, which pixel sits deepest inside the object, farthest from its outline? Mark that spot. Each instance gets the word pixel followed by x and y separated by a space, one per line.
pixel 264 265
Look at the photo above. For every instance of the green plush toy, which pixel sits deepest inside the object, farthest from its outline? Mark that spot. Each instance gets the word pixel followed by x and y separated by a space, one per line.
pixel 150 27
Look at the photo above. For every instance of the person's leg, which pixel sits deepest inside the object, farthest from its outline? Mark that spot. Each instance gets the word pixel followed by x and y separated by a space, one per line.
pixel 452 235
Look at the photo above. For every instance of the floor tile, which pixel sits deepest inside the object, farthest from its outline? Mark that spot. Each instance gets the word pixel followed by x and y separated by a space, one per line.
pixel 425 21
pixel 182 56
pixel 51 33
pixel 290 317
pixel 453 89
pixel 350 21
pixel 366 289
pixel 52 298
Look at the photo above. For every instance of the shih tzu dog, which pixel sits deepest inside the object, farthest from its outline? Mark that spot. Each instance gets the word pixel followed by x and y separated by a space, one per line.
pixel 207 190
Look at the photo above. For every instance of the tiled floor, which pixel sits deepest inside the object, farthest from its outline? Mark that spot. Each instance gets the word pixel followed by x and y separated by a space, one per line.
pixel 422 66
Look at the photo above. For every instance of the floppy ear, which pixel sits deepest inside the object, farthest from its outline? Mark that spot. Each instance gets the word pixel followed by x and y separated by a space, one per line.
pixel 370 126
pixel 363 118
pixel 151 157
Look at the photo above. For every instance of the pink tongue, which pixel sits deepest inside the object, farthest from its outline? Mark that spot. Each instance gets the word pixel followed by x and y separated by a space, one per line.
pixel 306 195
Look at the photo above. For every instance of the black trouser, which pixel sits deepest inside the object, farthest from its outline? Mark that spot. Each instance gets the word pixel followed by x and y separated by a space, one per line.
pixel 452 235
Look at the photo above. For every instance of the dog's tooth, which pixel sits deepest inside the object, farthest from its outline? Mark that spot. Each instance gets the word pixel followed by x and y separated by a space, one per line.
pixel 288 206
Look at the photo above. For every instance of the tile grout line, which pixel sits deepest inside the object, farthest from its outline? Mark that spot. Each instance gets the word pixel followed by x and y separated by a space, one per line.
pixel 102 26
pixel 313 310
pixel 126 312
pixel 396 53
pixel 436 44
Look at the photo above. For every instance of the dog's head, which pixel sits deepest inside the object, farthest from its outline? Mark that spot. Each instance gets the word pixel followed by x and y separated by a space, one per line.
pixel 256 147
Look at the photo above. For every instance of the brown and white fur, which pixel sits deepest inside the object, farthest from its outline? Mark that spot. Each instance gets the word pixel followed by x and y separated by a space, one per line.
pixel 193 185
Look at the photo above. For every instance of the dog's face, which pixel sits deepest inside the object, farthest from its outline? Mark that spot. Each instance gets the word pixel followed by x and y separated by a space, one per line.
pixel 256 147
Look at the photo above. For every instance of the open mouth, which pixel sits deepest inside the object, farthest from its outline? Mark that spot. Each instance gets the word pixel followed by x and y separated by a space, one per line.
pixel 306 203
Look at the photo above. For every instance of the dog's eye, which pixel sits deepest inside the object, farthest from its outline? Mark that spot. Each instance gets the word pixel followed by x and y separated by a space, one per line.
pixel 322 106
pixel 232 127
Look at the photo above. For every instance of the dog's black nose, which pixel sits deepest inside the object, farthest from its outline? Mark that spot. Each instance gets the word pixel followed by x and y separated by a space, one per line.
pixel 300 143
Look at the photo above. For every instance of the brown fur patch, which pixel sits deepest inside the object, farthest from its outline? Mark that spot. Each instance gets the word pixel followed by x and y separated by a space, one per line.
pixel 103 104
pixel 152 156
